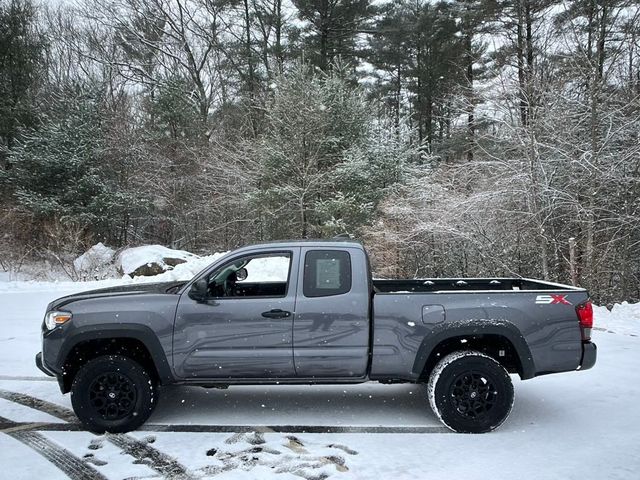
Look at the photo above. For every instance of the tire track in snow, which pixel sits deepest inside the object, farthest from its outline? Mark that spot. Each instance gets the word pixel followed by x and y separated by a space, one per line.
pixel 52 409
pixel 190 428
pixel 67 415
pixel 27 379
pixel 289 429
pixel 162 463
pixel 75 468
pixel 144 453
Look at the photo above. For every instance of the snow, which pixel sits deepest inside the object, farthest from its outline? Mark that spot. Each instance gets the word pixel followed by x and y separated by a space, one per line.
pixel 98 263
pixel 96 256
pixel 117 464
pixel 576 425
pixel 133 258
pixel 13 459
pixel 13 410
pixel 183 271
pixel 623 318
pixel 268 269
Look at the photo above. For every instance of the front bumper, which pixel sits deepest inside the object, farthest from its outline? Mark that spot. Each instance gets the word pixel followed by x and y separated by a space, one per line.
pixel 41 365
pixel 589 355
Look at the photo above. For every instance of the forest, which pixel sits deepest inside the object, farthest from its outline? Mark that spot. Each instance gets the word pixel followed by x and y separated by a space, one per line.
pixel 454 138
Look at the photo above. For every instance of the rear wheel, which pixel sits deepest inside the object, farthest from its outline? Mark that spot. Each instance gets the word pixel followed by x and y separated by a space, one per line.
pixel 470 392
pixel 113 393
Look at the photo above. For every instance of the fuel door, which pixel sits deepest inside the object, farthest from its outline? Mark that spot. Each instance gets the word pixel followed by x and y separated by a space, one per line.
pixel 433 314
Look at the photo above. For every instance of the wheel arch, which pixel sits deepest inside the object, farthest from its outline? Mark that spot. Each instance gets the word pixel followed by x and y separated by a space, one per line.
pixel 500 340
pixel 137 342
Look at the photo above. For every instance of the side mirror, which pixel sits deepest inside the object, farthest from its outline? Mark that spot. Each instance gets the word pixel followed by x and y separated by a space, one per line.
pixel 199 290
pixel 241 274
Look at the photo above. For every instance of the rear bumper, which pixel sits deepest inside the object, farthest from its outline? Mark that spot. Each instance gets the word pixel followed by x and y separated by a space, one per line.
pixel 589 355
pixel 42 367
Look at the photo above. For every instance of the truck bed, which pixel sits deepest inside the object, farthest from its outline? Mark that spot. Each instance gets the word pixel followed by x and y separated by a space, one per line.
pixel 537 317
pixel 427 285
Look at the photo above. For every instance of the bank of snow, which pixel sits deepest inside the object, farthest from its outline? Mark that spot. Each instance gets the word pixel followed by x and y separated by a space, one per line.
pixel 132 259
pixel 182 272
pixel 96 257
pixel 623 318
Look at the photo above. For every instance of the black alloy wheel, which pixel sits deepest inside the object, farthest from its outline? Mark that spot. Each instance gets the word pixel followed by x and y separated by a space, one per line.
pixel 470 392
pixel 473 394
pixel 112 396
pixel 113 393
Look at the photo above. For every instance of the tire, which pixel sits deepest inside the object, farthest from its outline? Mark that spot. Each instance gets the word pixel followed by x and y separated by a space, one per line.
pixel 470 392
pixel 113 393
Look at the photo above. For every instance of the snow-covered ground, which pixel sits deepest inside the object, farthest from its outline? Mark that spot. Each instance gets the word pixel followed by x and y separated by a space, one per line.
pixel 578 425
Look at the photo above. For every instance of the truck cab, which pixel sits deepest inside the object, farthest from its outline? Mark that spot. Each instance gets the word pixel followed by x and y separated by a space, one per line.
pixel 297 310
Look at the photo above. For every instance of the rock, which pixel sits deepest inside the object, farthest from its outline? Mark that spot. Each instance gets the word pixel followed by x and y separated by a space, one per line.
pixel 150 260
pixel 174 261
pixel 148 270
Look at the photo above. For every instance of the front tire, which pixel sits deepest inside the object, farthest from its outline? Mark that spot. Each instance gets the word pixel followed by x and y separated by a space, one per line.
pixel 113 393
pixel 470 392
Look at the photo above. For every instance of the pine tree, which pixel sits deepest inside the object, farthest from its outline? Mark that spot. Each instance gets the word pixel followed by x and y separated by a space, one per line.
pixel 58 172
pixel 21 48
pixel 333 27
pixel 473 16
pixel 322 167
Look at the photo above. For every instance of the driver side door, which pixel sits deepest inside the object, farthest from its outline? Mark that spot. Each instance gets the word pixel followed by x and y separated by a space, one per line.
pixel 243 330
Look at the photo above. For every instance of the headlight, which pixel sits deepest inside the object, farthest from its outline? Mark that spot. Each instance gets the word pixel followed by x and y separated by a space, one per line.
pixel 53 319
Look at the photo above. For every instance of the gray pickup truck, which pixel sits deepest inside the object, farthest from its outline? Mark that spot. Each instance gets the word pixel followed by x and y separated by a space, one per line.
pixel 306 312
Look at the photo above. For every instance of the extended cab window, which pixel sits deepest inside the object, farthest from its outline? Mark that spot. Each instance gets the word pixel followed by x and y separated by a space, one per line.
pixel 252 276
pixel 326 272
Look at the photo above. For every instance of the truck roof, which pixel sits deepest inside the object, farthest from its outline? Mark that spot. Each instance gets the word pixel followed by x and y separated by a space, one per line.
pixel 333 242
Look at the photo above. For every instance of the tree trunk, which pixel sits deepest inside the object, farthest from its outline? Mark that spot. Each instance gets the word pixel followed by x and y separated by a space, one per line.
pixel 303 217
pixel 572 262
pixel 396 120
pixel 520 48
pixel 471 127
pixel 596 85
pixel 324 37
pixel 251 75
pixel 529 69
pixel 278 28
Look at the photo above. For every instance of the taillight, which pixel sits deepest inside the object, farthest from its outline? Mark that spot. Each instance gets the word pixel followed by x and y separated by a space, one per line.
pixel 585 317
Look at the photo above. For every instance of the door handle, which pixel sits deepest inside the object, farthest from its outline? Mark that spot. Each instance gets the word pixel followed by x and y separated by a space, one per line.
pixel 276 313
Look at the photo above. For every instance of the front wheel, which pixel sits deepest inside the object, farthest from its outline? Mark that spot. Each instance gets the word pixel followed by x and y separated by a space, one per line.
pixel 113 393
pixel 470 392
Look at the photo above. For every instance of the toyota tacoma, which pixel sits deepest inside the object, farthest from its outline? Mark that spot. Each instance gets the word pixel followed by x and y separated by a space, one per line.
pixel 309 312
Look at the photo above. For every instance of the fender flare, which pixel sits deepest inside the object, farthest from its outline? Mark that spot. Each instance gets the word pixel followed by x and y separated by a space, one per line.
pixel 447 330
pixel 134 331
